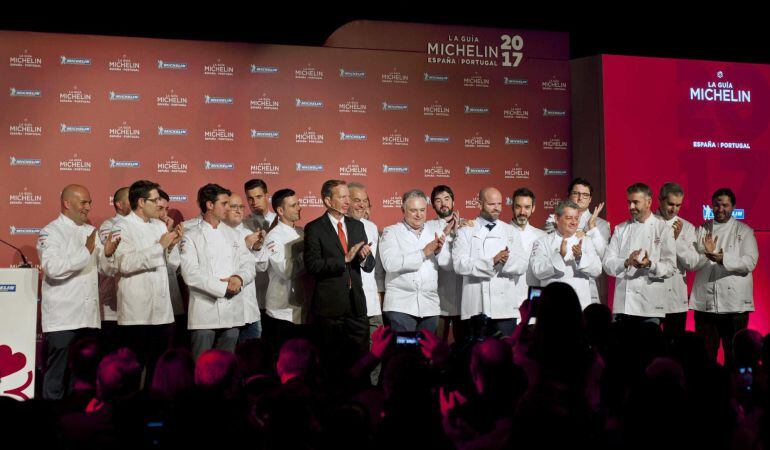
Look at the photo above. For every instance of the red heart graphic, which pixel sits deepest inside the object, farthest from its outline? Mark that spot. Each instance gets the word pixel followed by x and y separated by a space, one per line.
pixel 10 362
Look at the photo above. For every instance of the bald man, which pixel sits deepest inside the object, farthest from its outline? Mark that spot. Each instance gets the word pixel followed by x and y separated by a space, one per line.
pixel 491 258
pixel 70 255
pixel 248 295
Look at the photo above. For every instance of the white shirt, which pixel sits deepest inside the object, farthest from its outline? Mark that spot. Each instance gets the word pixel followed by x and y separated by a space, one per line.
pixel 206 255
pixel 248 294
pixel 144 296
pixel 487 287
pixel 548 266
pixel 641 292
pixel 283 254
pixel 411 278
pixel 726 287
pixel 70 291
pixel 108 285
pixel 529 235
pixel 369 279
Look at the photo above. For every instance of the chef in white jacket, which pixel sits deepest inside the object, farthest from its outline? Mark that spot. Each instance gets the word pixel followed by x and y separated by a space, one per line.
pixel 410 252
pixel 253 241
pixel 71 257
pixel 490 256
pixel 215 266
pixel 723 293
pixel 523 208
pixel 641 255
pixel 590 224
pixel 562 256
pixel 282 256
pixel 450 284
pixel 260 219
pixel 670 202
pixel 145 310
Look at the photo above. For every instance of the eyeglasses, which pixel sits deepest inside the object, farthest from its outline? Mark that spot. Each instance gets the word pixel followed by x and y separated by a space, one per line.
pixel 152 200
pixel 581 194
pixel 237 207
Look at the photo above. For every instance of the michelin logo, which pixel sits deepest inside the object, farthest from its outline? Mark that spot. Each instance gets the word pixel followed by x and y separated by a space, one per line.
pixel 436 139
pixel 25 92
pixel 394 106
pixel 75 61
pixel 263 69
pixel 218 165
pixel 394 169
pixel 263 134
pixel 209 100
pixel 115 164
pixel 26 162
pixel 309 167
pixel 24 230
pixel 352 136
pixel 117 97
pixel 64 128
pixel 167 65
pixel 309 103
pixel 708 213
pixel 162 131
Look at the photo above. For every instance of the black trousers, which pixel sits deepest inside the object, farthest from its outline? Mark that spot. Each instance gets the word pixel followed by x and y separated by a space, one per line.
pixel 674 326
pixel 720 328
pixel 347 332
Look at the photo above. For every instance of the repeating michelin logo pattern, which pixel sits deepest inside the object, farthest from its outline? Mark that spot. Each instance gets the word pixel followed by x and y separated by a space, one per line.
pixel 189 113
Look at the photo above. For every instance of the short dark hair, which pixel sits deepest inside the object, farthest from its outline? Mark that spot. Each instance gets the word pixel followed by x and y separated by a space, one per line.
pixel 140 189
pixel 439 189
pixel 163 195
pixel 118 194
pixel 639 188
pixel 328 186
pixel 668 189
pixel 524 192
pixel 582 182
pixel 209 193
pixel 253 184
pixel 724 191
pixel 279 196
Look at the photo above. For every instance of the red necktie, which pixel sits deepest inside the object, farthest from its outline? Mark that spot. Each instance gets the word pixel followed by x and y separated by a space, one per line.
pixel 343 239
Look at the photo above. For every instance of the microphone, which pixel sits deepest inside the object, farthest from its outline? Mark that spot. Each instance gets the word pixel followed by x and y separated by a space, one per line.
pixel 26 264
pixel 336 210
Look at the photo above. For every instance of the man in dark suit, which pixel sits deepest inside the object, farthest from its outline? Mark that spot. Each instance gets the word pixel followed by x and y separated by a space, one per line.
pixel 336 250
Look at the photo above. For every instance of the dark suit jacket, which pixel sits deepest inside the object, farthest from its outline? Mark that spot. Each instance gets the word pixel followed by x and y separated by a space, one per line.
pixel 338 290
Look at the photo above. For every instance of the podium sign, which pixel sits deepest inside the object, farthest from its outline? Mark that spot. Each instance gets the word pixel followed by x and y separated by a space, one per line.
pixel 18 327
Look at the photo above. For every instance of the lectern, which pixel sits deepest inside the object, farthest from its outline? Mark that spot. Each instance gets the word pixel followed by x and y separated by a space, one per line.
pixel 18 328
